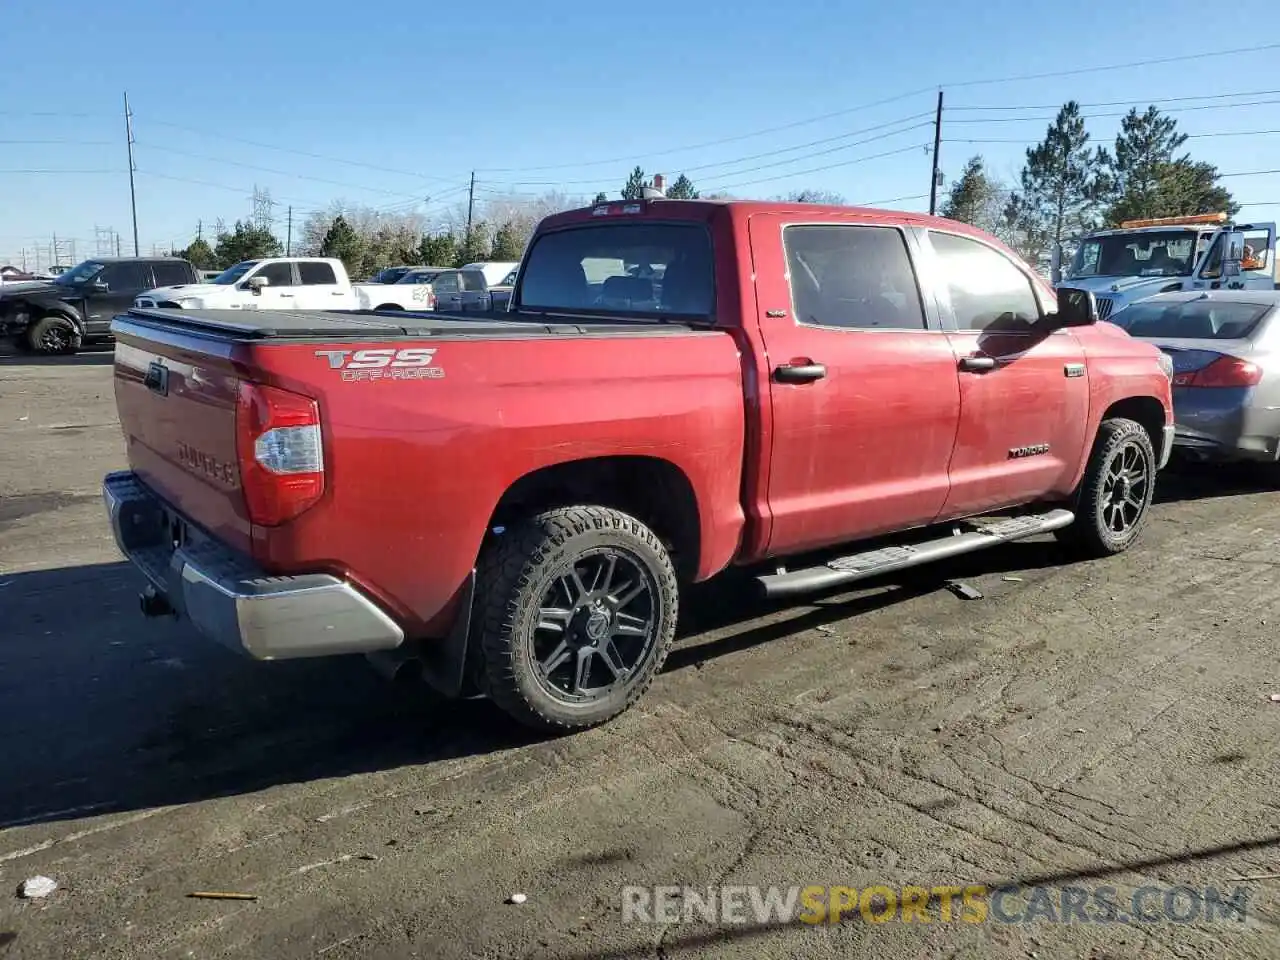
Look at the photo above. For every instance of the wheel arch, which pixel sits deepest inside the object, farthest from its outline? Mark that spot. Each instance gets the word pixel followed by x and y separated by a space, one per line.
pixel 655 491
pixel 1144 410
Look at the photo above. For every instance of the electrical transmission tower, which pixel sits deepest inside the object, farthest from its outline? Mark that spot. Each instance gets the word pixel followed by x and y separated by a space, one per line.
pixel 104 241
pixel 262 204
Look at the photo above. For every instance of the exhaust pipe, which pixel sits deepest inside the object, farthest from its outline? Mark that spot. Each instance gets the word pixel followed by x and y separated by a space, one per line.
pixel 398 666
pixel 155 604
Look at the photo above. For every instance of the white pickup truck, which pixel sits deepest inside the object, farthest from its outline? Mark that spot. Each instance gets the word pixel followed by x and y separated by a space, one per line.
pixel 289 283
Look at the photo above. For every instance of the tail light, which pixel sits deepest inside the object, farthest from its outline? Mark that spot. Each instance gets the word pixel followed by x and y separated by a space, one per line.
pixel 281 453
pixel 1226 371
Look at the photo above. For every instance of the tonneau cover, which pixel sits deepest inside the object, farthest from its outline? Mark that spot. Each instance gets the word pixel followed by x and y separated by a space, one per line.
pixel 319 324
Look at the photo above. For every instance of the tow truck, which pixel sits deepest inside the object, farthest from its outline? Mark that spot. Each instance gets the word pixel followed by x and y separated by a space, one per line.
pixel 1142 258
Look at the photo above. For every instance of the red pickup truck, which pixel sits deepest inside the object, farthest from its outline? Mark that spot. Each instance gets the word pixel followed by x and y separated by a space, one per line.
pixel 512 503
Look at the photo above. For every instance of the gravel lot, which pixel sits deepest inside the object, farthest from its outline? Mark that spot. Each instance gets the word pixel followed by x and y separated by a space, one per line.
pixel 1102 723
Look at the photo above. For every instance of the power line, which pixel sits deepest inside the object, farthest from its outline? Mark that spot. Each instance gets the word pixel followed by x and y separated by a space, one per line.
pixel 305 153
pixel 879 203
pixel 281 173
pixel 1190 136
pixel 1249 173
pixel 43 172
pixel 829 166
pixel 1115 66
pixel 1101 116
pixel 1131 100
pixel 765 166
pixel 52 143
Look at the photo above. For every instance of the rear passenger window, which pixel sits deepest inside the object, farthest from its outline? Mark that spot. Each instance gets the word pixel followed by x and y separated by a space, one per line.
pixel 312 272
pixel 850 276
pixel 170 274
pixel 472 281
pixel 987 291
pixel 446 283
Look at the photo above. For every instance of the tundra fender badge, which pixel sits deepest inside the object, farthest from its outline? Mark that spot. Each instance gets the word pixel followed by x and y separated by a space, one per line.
pixel 1034 450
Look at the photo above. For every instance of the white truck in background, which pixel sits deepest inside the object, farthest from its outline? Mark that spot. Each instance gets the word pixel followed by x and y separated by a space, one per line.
pixel 1141 258
pixel 289 283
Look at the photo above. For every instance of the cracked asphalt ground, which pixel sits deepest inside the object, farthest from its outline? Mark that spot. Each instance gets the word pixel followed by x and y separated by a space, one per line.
pixel 1103 723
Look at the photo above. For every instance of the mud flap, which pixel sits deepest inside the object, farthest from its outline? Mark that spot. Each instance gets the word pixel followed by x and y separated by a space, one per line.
pixel 444 662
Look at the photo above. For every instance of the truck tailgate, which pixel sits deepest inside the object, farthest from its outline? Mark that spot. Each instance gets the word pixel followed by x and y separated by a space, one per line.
pixel 176 398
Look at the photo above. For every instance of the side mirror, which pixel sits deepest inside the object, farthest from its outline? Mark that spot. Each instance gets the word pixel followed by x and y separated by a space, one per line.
pixel 1076 308
pixel 256 284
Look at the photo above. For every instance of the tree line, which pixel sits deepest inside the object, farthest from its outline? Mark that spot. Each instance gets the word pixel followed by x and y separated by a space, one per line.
pixel 1069 186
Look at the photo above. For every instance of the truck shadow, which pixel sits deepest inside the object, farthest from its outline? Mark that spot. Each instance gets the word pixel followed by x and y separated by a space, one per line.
pixel 95 354
pixel 104 712
pixel 1183 480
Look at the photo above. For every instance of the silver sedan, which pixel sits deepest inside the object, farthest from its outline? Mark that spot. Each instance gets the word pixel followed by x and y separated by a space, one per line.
pixel 1225 347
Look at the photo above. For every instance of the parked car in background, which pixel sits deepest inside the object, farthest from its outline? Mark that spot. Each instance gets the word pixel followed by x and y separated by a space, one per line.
pixel 389 275
pixel 495 272
pixel 517 506
pixel 1225 347
pixel 500 295
pixel 208 276
pixel 57 316
pixel 462 290
pixel 289 283
pixel 422 274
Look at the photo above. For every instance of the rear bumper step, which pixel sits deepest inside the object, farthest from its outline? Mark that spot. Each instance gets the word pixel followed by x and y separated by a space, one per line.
pixel 860 566
pixel 231 601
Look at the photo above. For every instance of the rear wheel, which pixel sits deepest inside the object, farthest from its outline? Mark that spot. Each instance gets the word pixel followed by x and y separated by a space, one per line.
pixel 1114 496
pixel 576 611
pixel 53 335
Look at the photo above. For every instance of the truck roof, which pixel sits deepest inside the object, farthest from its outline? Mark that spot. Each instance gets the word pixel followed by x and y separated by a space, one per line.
pixel 704 208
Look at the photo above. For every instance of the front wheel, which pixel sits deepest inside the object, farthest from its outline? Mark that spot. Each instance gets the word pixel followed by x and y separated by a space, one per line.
pixel 53 335
pixel 576 611
pixel 1114 496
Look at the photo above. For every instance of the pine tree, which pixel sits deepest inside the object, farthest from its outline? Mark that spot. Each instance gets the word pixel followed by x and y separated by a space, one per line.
pixel 634 187
pixel 507 244
pixel 438 250
pixel 200 255
pixel 342 241
pixel 1064 182
pixel 1148 180
pixel 682 189
pixel 246 242
pixel 601 197
pixel 474 246
pixel 976 198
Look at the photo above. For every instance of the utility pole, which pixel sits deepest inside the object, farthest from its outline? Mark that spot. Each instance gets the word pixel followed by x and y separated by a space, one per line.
pixel 199 229
pixel 117 244
pixel 937 145
pixel 471 203
pixel 133 194
pixel 288 243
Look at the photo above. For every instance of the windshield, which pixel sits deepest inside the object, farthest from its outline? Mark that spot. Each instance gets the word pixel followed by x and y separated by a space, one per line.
pixel 231 275
pixel 1191 319
pixel 81 272
pixel 420 276
pixel 634 268
pixel 1169 253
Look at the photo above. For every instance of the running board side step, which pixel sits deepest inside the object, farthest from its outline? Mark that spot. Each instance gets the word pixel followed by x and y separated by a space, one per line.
pixel 989 532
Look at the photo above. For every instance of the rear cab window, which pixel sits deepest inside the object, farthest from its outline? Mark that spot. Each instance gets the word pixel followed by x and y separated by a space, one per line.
pixel 633 269
pixel 1192 319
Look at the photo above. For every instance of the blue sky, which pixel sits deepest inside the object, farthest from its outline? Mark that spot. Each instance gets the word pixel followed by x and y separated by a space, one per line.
pixel 398 103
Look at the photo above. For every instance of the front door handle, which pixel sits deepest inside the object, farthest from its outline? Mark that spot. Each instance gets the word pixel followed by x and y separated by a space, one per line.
pixel 977 363
pixel 799 372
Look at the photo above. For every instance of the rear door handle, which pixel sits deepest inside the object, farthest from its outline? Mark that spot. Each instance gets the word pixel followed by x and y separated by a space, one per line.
pixel 799 372
pixel 977 363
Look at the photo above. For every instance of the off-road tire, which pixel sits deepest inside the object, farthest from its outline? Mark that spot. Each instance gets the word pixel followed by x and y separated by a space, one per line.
pixel 39 333
pixel 513 577
pixel 1089 537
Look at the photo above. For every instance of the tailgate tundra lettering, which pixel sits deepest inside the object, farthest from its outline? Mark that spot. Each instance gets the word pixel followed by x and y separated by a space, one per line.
pixel 384 363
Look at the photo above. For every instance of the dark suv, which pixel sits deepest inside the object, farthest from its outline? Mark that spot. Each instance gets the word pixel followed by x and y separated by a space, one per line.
pixel 59 315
